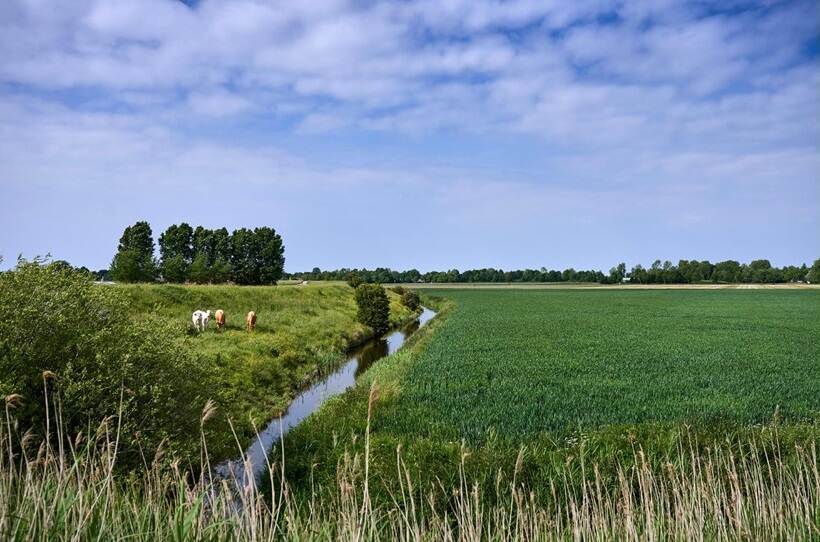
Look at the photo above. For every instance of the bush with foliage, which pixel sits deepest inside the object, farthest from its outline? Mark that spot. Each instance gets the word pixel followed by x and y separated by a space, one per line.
pixel 410 299
pixel 374 307
pixel 353 280
pixel 64 339
pixel 398 289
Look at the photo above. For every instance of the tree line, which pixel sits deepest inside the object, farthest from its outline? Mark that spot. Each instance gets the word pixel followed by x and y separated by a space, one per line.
pixel 199 255
pixel 685 272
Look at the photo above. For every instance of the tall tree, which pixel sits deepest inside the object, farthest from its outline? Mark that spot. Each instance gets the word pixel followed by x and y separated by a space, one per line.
pixel 813 274
pixel 202 243
pixel 134 261
pixel 617 273
pixel 176 252
pixel 728 271
pixel 243 257
pixel 221 244
pixel 270 255
pixel 220 267
pixel 200 272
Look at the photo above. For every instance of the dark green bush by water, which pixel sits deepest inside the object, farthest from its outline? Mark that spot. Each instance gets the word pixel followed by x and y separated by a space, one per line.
pixel 410 299
pixel 374 307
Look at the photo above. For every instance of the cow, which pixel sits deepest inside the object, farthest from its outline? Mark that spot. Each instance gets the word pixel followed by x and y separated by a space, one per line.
pixel 251 321
pixel 219 316
pixel 200 319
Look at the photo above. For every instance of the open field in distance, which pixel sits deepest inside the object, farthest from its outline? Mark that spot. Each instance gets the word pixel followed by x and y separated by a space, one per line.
pixel 596 286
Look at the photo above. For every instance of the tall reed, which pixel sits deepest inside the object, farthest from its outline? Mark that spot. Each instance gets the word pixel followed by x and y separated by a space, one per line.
pixel 58 488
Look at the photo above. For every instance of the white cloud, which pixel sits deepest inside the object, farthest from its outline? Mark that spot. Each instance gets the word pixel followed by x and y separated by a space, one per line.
pixel 218 103
pixel 625 102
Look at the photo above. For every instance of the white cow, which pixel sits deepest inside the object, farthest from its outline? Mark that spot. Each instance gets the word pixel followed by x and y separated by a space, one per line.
pixel 200 319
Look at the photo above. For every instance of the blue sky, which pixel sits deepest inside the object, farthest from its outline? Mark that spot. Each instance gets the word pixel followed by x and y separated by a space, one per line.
pixel 430 134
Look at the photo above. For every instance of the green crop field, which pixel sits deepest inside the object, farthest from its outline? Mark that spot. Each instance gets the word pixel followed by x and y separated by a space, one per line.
pixel 529 381
pixel 524 362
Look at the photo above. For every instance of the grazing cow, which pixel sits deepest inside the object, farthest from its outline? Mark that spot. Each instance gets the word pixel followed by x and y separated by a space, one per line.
pixel 251 320
pixel 196 319
pixel 219 316
pixel 200 319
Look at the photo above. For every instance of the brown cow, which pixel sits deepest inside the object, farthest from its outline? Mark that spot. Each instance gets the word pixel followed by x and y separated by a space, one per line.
pixel 220 319
pixel 251 320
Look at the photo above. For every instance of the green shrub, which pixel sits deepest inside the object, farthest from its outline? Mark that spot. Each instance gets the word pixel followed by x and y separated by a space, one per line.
pixel 354 280
pixel 398 289
pixel 65 339
pixel 374 307
pixel 410 299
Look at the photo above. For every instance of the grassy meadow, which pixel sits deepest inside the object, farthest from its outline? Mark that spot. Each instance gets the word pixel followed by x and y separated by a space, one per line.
pixel 300 331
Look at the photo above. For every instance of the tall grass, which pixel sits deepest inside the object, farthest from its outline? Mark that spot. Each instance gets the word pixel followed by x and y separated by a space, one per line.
pixel 66 489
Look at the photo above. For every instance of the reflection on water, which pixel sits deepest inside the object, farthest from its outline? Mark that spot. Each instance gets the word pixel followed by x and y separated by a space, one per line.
pixel 312 398
pixel 375 350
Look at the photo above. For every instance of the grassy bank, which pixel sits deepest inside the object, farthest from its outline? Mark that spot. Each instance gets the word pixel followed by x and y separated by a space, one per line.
pixel 300 331
pixel 538 385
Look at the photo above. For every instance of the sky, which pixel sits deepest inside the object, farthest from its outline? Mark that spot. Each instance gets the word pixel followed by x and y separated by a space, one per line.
pixel 429 134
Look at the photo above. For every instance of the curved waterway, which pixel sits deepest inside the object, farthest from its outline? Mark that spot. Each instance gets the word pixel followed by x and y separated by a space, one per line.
pixel 255 461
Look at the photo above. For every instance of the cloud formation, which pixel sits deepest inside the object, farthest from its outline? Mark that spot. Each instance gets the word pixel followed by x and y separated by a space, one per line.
pixel 496 114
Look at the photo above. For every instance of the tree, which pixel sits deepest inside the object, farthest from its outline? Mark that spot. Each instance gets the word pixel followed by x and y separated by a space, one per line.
pixel 728 271
pixel 638 274
pixel 220 243
pixel 200 273
pixel 134 261
pixel 270 255
pixel 202 243
pixel 243 257
pixel 617 274
pixel 176 252
pixel 759 271
pixel 221 271
pixel 374 308
pixel 813 275
pixel 175 269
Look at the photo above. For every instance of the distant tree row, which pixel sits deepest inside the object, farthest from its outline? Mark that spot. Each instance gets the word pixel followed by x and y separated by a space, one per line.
pixel 685 272
pixel 199 255
pixel 729 271
pixel 385 275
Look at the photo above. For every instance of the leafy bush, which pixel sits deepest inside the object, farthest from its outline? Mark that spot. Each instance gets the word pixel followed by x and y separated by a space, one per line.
pixel 67 340
pixel 354 280
pixel 398 289
pixel 374 307
pixel 410 299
